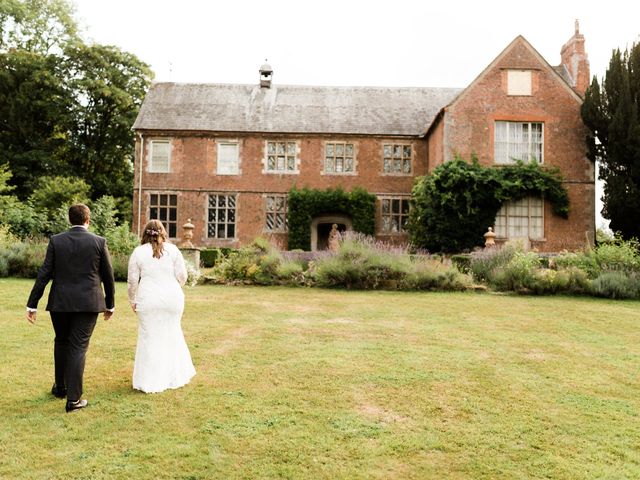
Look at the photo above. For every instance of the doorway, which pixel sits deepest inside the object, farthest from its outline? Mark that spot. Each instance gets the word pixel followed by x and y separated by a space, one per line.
pixel 321 226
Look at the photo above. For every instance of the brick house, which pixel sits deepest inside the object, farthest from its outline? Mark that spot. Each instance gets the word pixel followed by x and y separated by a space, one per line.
pixel 225 156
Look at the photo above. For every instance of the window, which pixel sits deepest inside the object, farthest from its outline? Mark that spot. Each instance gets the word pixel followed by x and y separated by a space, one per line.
pixel 521 219
pixel 276 210
pixel 281 157
pixel 338 158
pixel 160 156
pixel 164 207
pixel 394 214
pixel 397 159
pixel 228 158
pixel 221 216
pixel 518 141
pixel 519 82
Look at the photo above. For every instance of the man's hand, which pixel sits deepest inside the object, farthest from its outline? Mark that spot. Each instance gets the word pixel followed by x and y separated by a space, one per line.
pixel 107 314
pixel 31 317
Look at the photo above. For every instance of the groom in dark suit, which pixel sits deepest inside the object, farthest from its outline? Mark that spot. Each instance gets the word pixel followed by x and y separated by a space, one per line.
pixel 78 262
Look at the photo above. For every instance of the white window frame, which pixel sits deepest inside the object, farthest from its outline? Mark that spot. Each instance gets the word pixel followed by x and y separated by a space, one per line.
pixel 273 156
pixel 519 83
pixel 400 216
pixel 274 213
pixel 229 165
pixel 511 143
pixel 225 222
pixel 522 218
pixel 332 158
pixel 153 167
pixel 394 155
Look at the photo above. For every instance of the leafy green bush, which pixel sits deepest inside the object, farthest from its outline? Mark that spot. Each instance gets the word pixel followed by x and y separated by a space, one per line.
pixel 462 262
pixel 516 275
pixel 255 263
pixel 120 264
pixel 428 276
pixel 616 285
pixel 361 263
pixel 291 272
pixel 616 255
pixel 484 262
pixel 121 240
pixel 22 259
pixel 21 218
pixel 209 256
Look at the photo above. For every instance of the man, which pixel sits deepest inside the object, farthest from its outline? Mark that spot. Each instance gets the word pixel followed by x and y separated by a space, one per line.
pixel 78 262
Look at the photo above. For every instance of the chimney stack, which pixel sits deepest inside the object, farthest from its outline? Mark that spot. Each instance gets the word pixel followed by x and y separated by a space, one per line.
pixel 576 62
pixel 266 73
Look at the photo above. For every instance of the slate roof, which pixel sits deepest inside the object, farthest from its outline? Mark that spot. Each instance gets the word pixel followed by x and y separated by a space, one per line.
pixel 292 109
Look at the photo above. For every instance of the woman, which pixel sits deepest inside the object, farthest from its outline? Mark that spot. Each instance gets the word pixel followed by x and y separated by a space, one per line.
pixel 155 278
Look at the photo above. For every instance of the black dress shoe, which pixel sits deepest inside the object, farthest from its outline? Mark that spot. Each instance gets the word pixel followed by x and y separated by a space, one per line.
pixel 77 405
pixel 58 393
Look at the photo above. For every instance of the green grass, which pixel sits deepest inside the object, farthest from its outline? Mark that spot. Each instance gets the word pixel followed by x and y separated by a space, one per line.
pixel 309 383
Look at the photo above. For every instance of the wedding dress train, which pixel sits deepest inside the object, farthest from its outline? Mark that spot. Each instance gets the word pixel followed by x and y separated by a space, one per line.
pixel 162 358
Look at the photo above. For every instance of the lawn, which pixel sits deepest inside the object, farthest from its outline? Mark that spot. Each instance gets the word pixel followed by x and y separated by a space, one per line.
pixel 328 384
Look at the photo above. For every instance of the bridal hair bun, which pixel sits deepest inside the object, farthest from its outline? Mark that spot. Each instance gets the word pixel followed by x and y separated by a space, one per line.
pixel 152 232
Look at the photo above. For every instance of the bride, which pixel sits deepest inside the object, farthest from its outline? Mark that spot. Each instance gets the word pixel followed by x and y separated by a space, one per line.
pixel 155 278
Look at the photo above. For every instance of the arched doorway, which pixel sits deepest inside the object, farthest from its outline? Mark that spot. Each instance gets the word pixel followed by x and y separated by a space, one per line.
pixel 321 226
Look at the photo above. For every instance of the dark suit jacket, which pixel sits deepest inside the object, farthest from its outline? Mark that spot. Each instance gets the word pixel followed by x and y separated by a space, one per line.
pixel 78 262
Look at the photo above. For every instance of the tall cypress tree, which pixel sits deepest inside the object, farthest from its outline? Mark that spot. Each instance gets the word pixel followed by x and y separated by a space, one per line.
pixel 612 114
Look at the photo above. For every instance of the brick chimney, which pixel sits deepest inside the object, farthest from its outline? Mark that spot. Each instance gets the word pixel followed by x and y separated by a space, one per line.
pixel 576 62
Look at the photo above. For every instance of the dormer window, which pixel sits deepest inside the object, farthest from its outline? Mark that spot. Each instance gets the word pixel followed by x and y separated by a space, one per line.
pixel 519 82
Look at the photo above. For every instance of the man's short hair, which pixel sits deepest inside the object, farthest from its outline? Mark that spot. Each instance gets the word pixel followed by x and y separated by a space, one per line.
pixel 79 214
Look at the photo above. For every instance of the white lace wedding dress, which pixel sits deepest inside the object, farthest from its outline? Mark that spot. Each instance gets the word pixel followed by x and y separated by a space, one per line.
pixel 155 286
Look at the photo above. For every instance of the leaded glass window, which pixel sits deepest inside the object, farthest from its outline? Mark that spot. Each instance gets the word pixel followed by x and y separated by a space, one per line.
pixel 339 158
pixel 394 214
pixel 518 141
pixel 396 159
pixel 276 213
pixel 281 156
pixel 521 219
pixel 221 216
pixel 160 156
pixel 164 207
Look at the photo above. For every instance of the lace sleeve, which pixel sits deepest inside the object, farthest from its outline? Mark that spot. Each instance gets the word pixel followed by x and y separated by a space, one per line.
pixel 133 277
pixel 179 268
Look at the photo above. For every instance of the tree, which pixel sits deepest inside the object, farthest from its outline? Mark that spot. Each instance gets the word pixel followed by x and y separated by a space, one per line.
pixel 19 217
pixel 108 86
pixel 37 26
pixel 66 107
pixel 34 117
pixel 611 112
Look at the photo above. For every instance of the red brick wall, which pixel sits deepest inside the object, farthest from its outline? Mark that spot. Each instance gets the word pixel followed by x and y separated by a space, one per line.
pixel 193 176
pixel 469 130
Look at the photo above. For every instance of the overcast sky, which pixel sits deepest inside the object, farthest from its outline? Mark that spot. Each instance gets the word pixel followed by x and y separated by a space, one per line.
pixel 349 42
pixel 402 43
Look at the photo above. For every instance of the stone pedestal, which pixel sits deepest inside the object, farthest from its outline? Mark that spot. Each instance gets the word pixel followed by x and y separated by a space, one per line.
pixel 190 253
pixel 191 256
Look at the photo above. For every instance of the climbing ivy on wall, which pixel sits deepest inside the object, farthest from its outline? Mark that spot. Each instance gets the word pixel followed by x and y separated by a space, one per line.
pixel 452 208
pixel 306 203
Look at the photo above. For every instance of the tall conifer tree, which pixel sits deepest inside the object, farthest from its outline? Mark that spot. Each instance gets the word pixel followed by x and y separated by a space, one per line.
pixel 611 111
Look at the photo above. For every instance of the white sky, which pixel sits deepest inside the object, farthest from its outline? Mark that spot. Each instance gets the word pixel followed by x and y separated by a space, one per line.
pixel 391 43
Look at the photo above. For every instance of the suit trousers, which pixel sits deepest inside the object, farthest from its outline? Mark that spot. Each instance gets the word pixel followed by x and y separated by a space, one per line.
pixel 73 332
